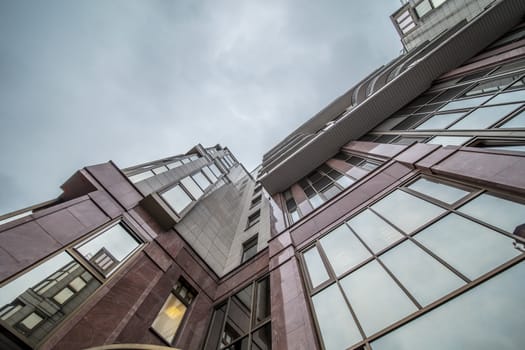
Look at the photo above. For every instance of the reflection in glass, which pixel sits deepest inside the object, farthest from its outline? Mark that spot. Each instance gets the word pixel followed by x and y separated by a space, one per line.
pixel 438 190
pixel 471 248
pixel 518 121
pixel 496 211
pixel 406 211
pixel 238 318
pixel 177 198
pixel 37 301
pixel 439 121
pixel 343 249
pixel 109 249
pixel 315 267
pixel 262 338
pixel 263 300
pixel 376 233
pixel 424 277
pixel 215 331
pixel 466 103
pixel 338 329
pixel 483 118
pixel 449 140
pixel 487 317
pixel 514 96
pixel 376 299
pixel 169 318
pixel 242 344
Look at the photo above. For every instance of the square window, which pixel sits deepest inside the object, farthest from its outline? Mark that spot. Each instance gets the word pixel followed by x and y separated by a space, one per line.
pixel 177 198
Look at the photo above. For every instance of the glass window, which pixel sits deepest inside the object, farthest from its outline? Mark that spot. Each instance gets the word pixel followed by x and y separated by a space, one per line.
pixel 483 118
pixel 116 243
pixel 239 313
pixel 159 170
pixel 343 249
pixel 77 284
pixel 174 164
pixel 315 267
pixel 439 121
pixel 338 329
pixel 424 277
pixel 496 211
pixel 374 231
pixel 215 170
pixel 423 8
pixel 438 190
pixel 518 121
pixel 485 318
pixel 469 247
pixel 15 303
pixel 406 211
pixel 192 187
pixel 215 331
pixel 201 180
pixel 253 219
pixel 262 338
pixel 177 198
pixel 449 140
pixel 209 174
pixel 169 318
pixel 376 299
pixel 465 103
pixel 263 303
pixel 249 249
pixel 505 97
pixel 139 177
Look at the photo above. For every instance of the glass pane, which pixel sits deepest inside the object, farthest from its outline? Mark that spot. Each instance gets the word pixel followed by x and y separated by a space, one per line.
pixel 209 174
pixel 315 267
pixel 345 181
pixel 201 180
pixel 440 191
pixel 406 211
pixel 483 118
pixel 338 329
pixel 139 177
pixel 159 170
pixel 514 96
pixel 518 121
pixel 424 277
pixel 331 191
pixel 177 198
pixel 215 170
pixel 238 319
pixel 496 211
pixel 376 233
pixel 449 140
pixel 242 344
pixel 376 299
pixel 169 318
pixel 487 317
pixel 316 201
pixel 471 248
pixel 216 328
pixel 192 187
pixel 115 243
pixel 466 103
pixel 262 338
pixel 263 300
pixel 343 249
pixel 439 121
pixel 27 293
pixel 508 148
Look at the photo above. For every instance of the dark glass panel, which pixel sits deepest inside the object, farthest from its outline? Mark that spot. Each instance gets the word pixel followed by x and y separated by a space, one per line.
pixel 262 338
pixel 263 306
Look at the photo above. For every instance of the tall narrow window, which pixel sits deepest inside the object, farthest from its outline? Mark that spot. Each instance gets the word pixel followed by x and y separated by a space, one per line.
pixel 291 206
pixel 172 312
pixel 249 248
pixel 253 219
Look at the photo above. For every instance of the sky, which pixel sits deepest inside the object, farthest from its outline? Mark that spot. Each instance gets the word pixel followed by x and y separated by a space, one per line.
pixel 84 82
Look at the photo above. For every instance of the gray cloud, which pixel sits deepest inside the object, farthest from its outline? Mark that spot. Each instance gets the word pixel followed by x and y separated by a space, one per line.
pixel 131 81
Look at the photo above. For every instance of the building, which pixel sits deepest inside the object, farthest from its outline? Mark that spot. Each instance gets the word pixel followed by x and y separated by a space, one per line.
pixel 392 219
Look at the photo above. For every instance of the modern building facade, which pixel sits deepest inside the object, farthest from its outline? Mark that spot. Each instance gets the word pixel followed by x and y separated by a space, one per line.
pixel 392 219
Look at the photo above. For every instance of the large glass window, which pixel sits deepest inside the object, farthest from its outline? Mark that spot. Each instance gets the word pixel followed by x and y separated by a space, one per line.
pixel 39 300
pixel 420 245
pixel 243 320
pixel 177 198
pixel 192 187
pixel 201 180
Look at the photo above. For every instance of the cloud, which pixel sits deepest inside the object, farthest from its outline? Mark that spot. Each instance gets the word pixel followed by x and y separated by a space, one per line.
pixel 132 81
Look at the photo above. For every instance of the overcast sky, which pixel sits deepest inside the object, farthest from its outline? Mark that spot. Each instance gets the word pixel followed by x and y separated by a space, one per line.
pixel 83 82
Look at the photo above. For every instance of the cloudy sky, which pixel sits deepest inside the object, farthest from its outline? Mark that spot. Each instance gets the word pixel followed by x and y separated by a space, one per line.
pixel 83 82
